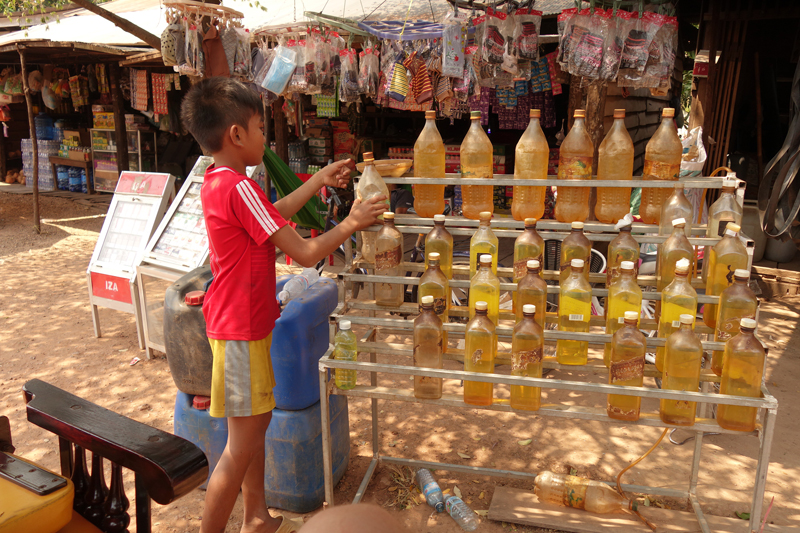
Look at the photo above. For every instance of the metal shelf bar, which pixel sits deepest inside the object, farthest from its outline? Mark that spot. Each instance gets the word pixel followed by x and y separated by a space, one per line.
pixel 553 181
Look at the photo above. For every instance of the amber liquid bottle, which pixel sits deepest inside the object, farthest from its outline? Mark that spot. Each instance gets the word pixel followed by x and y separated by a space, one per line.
pixel 532 289
pixel 480 348
pixel 735 303
pixel 370 184
pixel 574 163
pixel 725 210
pixel 627 368
pixel 389 262
pixel 726 256
pixel 623 248
pixel 624 295
pixel 433 283
pixel 531 159
pixel 482 242
pixel 662 161
pixel 485 287
pixel 529 245
pixel 440 241
pixel 677 299
pixel 614 162
pixel 574 312
pixel 681 373
pixel 677 206
pixel 527 349
pixel 477 163
pixel 743 370
pixel 575 246
pixel 429 163
pixel 428 348
pixel 675 248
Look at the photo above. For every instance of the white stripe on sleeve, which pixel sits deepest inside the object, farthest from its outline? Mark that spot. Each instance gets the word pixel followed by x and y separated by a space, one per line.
pixel 247 187
pixel 258 210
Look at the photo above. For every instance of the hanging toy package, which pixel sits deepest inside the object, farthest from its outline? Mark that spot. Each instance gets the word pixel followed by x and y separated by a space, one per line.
pixel 494 38
pixel 281 70
pixel 614 42
pixel 297 82
pixel 369 72
pixel 243 60
pixel 348 86
pixel 461 85
pixel 510 60
pixel 636 51
pixel 453 46
pixel 526 34
pixel 564 33
pixel 587 52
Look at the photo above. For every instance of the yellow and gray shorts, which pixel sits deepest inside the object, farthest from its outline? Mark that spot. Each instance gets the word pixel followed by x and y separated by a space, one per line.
pixel 241 378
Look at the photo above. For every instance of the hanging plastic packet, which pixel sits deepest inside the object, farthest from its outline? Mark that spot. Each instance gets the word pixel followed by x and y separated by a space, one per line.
pixel 369 72
pixel 336 45
pixel 297 83
pixel 194 51
pixel 311 57
pixel 661 61
pixel 564 32
pixel 268 55
pixel 587 52
pixel 494 37
pixel 636 52
pixel 281 70
pixel 453 46
pixel 325 77
pixel 348 82
pixel 461 85
pixel 243 60
pixel 528 22
pixel 618 27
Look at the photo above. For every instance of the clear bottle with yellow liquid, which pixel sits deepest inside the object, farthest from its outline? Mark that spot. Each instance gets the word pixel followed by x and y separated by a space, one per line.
pixel 623 248
pixel 527 349
pixel 676 206
pixel 681 373
pixel 485 287
pixel 389 262
pixel 345 349
pixel 624 294
pixel 662 161
pixel 677 299
pixel 440 241
pixel 726 256
pixel 735 303
pixel 675 248
pixel 575 246
pixel 614 162
pixel 722 212
pixel 370 184
pixel 483 241
pixel 428 349
pixel 531 159
pixel 433 283
pixel 480 348
pixel 429 163
pixel 574 312
pixel 477 163
pixel 529 245
pixel 574 163
pixel 742 373
pixel 628 347
pixel 532 289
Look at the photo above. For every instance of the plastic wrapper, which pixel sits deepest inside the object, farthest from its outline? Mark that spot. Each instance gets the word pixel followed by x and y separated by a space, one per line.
pixel 268 55
pixel 193 64
pixel 281 70
pixel 242 60
pixel 527 24
pixel 658 71
pixel 614 42
pixel 14 85
pixel 636 52
pixel 461 87
pixel 297 82
pixel 312 56
pixel 348 81
pixel 336 45
pixel 564 34
pixel 494 37
pixel 369 72
pixel 452 47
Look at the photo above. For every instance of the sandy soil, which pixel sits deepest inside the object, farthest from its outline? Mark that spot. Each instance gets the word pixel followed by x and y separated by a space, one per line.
pixel 46 333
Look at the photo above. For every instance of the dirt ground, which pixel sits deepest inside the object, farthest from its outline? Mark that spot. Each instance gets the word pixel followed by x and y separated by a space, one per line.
pixel 46 333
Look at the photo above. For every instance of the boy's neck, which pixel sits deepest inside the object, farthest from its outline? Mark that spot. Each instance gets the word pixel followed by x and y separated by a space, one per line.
pixel 231 161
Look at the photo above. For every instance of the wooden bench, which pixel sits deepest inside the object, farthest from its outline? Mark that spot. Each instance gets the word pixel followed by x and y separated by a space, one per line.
pixel 166 467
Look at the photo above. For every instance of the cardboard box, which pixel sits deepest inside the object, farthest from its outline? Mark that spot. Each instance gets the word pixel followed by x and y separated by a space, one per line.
pixel 79 155
pixel 320 142
pixel 102 109
pixel 319 151
pixel 319 159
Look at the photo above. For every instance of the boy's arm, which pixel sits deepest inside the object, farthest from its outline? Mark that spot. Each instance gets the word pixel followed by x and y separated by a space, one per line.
pixel 334 175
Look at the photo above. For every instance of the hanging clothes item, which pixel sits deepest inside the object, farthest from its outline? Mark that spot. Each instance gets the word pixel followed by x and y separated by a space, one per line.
pixel 398 89
pixel 421 87
pixel 172 44
pixel 229 43
pixel 216 62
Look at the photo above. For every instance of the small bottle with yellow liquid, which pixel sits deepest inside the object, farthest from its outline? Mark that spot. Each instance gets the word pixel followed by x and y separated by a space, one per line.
pixel 480 348
pixel 575 246
pixel 483 241
pixel 742 373
pixel 614 162
pixel 628 347
pixel 529 245
pixel 574 312
pixel 735 303
pixel 527 349
pixel 389 262
pixel 574 163
pixel 530 163
pixel 428 349
pixel 485 287
pixel 433 283
pixel 370 184
pixel 623 248
pixel 624 295
pixel 662 161
pixel 726 256
pixel 345 348
pixel 682 364
pixel 675 248
pixel 677 299
pixel 532 289
pixel 440 241
pixel 429 163
pixel 477 163
pixel 676 206
pixel 725 210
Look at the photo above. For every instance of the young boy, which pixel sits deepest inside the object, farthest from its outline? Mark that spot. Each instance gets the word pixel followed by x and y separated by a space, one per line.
pixel 244 228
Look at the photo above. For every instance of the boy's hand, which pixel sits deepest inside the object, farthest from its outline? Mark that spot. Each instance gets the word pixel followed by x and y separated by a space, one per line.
pixel 337 174
pixel 366 213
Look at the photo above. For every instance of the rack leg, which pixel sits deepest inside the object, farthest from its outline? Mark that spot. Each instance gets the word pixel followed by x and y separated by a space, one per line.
pixel 373 380
pixel 762 468
pixel 326 435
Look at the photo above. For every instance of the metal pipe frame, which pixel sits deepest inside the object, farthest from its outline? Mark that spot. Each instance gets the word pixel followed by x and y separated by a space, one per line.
pixel 552 181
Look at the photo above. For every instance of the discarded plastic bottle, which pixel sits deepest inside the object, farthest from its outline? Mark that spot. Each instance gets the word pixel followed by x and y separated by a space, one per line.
pixel 295 286
pixel 579 493
pixel 428 486
pixel 461 513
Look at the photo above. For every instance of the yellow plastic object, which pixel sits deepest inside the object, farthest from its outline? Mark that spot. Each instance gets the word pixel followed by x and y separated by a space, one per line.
pixel 23 510
pixel 79 524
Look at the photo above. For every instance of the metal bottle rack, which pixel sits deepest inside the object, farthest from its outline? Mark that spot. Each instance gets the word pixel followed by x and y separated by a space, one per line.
pixel 549 229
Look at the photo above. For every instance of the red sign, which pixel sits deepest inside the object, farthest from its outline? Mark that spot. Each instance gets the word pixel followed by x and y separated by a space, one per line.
pixel 145 183
pixel 111 287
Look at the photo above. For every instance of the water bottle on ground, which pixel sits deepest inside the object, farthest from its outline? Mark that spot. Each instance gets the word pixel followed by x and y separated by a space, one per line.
pixel 428 486
pixel 461 513
pixel 295 286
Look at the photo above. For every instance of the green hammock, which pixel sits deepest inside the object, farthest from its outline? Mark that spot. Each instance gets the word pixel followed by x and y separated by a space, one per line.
pixel 286 181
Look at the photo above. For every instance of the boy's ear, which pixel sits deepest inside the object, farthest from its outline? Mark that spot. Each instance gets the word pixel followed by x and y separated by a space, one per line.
pixel 235 134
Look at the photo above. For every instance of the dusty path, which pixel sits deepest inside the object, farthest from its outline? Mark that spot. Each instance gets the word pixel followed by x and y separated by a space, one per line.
pixel 46 333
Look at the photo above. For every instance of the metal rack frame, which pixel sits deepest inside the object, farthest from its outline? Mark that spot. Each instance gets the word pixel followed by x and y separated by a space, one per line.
pixel 767 404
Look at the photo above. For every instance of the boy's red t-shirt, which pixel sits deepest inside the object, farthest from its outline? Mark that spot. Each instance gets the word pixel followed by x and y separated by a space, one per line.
pixel 241 304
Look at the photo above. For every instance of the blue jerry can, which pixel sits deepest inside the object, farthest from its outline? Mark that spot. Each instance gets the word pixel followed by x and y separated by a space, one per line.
pixel 293 473
pixel 301 336
pixel 204 431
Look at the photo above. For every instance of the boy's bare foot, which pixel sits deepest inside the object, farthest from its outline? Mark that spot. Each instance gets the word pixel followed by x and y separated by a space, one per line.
pixel 261 525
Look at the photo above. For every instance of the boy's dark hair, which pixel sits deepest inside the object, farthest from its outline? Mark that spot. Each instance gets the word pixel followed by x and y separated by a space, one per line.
pixel 214 105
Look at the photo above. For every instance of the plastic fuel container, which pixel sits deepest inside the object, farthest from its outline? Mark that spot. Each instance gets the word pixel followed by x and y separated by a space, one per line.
pixel 193 423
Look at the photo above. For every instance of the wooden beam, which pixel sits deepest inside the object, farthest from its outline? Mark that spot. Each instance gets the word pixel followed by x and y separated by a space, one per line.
pixel 126 25
pixel 281 131
pixel 34 145
pixel 119 119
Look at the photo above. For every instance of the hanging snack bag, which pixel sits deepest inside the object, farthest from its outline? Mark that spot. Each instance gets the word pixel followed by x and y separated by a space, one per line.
pixel 526 33
pixel 494 37
pixel 337 44
pixel 452 46
pixel 369 72
pixel 243 60
pixel 461 85
pixel 564 31
pixel 588 51
pixel 657 73
pixel 348 86
pixel 313 42
pixel 636 51
pixel 614 42
pixel 297 83
pixel 281 70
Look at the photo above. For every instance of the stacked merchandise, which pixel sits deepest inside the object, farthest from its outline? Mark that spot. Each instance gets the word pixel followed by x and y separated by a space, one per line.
pixel 135 122
pixel 47 179
pixel 401 152
pixel 344 142
pixel 452 158
pixel 320 142
pixel 298 159
pixel 72 148
pixel 103 117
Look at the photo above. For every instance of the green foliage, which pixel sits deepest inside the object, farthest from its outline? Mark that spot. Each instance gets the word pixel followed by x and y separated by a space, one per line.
pixel 29 12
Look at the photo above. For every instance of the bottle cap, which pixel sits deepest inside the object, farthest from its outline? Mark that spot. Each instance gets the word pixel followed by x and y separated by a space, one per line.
pixel 730 180
pixel 626 265
pixel 485 258
pixel 485 215
pixel 433 256
pixel 427 300
pixel 438 218
pixel 475 115
pixel 344 324
pixel 619 113
pixel 668 112
pixel 577 225
pixel 577 263
pixel 676 222
pixel 530 222
pixel 687 319
pixel 388 215
pixel 481 306
pixel 631 315
pixel 529 308
pixel 579 113
pixel 732 228
pixel 532 263
pixel 741 273
pixel 747 323
pixel 430 115
pixel 536 113
pixel 201 403
pixel 368 156
pixel 682 266
pixel 195 298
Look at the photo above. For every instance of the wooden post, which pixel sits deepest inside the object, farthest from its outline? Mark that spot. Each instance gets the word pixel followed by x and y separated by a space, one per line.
pixel 281 131
pixel 120 132
pixel 34 145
